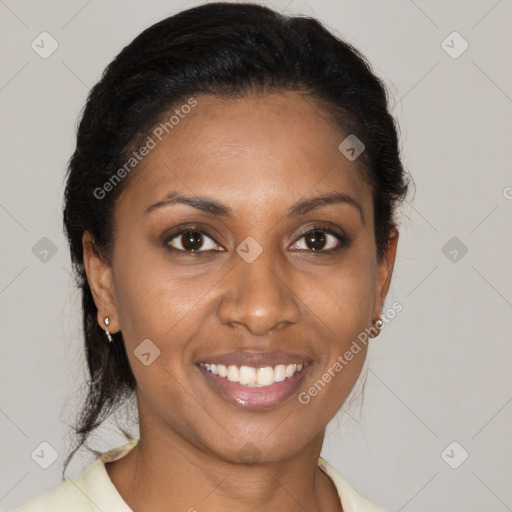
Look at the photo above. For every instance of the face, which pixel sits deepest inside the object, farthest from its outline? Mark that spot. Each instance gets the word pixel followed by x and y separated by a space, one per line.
pixel 248 287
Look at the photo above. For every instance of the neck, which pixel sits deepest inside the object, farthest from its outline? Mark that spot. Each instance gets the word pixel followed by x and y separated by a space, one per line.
pixel 158 472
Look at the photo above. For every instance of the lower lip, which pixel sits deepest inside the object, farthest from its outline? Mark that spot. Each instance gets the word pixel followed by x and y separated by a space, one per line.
pixel 254 397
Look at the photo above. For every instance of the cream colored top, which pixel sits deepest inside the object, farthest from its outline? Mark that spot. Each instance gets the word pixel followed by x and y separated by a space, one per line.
pixel 94 491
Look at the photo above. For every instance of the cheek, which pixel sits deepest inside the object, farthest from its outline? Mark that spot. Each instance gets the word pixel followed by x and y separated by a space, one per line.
pixel 152 297
pixel 156 304
pixel 342 296
pixel 344 354
pixel 342 303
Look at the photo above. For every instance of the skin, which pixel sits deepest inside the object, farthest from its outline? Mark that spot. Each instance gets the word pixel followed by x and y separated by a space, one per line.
pixel 258 155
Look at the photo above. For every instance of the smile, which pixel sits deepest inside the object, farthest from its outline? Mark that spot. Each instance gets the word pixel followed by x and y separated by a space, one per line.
pixel 254 377
pixel 252 387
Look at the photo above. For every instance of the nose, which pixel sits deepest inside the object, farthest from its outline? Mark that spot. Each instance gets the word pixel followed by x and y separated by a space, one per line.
pixel 259 297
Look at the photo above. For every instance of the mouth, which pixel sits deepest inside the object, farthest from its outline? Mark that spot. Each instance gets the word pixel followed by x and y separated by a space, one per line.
pixel 266 380
pixel 254 377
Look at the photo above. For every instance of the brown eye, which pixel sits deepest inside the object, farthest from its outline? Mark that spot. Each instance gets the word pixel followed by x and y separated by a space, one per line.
pixel 191 240
pixel 315 240
pixel 321 240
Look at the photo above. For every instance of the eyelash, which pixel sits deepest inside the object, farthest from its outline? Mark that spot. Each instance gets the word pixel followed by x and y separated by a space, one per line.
pixel 343 240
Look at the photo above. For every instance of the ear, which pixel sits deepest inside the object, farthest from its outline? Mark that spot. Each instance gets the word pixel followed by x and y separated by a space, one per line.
pixel 99 276
pixel 384 273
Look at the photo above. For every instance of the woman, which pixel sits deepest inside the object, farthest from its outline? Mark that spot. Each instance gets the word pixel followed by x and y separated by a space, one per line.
pixel 230 208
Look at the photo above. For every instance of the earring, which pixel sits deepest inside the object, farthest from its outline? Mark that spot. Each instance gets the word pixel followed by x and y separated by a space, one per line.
pixel 109 336
pixel 379 323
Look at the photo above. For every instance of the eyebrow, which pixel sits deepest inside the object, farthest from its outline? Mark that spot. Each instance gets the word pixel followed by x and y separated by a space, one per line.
pixel 213 207
pixel 308 205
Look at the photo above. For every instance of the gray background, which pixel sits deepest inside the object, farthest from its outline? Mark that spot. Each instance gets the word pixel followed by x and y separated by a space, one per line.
pixel 439 372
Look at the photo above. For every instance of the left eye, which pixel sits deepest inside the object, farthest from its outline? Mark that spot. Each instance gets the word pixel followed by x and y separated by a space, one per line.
pixel 192 240
pixel 318 240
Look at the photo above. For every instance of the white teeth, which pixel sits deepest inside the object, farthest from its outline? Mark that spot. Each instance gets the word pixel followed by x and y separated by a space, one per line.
pixel 280 373
pixel 265 376
pixel 233 373
pixel 254 377
pixel 247 376
pixel 290 370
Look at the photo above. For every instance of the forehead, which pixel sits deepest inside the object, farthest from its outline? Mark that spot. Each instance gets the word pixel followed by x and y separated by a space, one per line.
pixel 248 151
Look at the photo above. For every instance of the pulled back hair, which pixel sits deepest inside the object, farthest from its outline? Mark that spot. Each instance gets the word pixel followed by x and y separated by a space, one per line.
pixel 221 49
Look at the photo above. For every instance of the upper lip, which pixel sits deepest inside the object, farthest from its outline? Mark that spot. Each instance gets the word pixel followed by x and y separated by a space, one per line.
pixel 256 359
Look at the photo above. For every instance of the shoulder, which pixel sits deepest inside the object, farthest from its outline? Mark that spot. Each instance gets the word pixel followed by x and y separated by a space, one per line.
pixel 350 499
pixel 70 493
pixel 91 491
